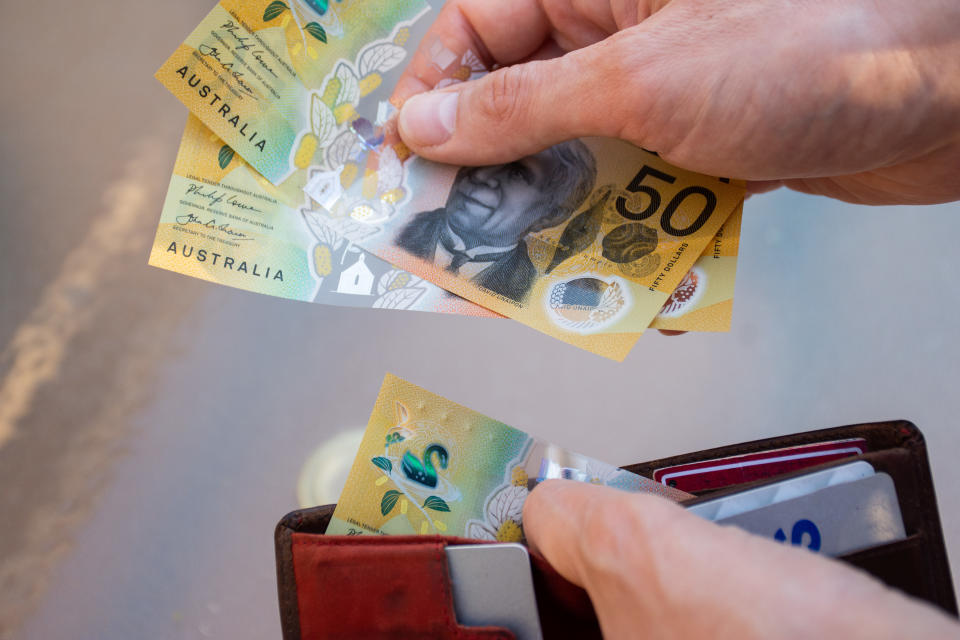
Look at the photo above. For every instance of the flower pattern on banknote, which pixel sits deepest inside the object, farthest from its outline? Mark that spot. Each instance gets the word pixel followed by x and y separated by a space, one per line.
pixel 504 511
pixel 607 474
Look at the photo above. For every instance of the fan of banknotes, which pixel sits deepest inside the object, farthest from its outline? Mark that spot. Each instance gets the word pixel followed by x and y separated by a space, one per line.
pixel 291 181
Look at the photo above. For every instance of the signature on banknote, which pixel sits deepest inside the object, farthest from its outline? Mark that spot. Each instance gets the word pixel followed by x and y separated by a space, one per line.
pixel 190 218
pixel 214 52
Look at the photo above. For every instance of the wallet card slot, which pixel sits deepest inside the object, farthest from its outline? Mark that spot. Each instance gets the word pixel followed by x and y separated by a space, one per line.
pixel 879 436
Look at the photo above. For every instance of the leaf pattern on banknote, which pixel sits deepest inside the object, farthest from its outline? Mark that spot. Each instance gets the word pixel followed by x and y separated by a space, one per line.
pixel 273 10
pixel 349 84
pixel 507 504
pixel 478 531
pixel 383 463
pixel 380 58
pixel 316 31
pixel 351 229
pixel 390 171
pixel 319 228
pixel 436 504
pixel 399 298
pixel 339 152
pixel 389 501
pixel 394 279
pixel 225 156
pixel 322 121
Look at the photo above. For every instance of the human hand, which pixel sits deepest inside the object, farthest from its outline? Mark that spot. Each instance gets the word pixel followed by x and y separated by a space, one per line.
pixel 654 570
pixel 857 100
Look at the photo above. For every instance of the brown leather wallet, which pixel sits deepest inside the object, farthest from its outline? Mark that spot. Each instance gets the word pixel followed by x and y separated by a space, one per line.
pixel 399 587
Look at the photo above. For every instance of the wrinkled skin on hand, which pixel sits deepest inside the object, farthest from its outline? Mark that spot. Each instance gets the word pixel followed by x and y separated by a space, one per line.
pixel 856 99
pixel 653 570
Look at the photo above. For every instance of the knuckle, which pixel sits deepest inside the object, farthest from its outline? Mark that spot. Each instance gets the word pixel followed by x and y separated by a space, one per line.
pixel 506 93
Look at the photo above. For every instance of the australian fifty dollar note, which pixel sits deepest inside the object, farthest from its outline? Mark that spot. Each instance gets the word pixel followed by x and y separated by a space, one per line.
pixel 224 223
pixel 585 241
pixel 427 465
pixel 335 89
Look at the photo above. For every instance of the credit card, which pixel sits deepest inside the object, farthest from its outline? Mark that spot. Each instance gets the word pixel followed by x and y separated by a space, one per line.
pixel 833 521
pixel 735 504
pixel 493 587
pixel 733 470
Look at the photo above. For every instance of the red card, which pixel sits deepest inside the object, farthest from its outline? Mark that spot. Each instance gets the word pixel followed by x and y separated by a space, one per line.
pixel 726 472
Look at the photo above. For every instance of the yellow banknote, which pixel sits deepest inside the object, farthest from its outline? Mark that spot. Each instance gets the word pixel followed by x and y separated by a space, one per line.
pixel 430 466
pixel 283 81
pixel 203 228
pixel 583 241
pixel 224 223
pixel 704 299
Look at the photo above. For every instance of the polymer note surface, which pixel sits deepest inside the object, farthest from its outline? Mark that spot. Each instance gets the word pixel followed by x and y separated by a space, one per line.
pixel 224 223
pixel 282 81
pixel 584 241
pixel 430 466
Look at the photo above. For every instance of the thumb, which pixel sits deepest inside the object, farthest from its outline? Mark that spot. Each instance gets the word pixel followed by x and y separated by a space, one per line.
pixel 518 110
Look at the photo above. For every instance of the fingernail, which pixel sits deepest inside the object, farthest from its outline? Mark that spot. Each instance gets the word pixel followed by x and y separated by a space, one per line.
pixel 429 118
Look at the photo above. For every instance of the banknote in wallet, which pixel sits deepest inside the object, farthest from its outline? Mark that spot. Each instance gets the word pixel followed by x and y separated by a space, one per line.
pixel 427 465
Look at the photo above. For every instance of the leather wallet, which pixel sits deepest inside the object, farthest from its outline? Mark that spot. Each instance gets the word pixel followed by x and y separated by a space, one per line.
pixel 399 586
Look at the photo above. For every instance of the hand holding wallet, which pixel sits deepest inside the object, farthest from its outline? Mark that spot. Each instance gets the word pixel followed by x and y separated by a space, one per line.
pixel 333 586
pixel 654 566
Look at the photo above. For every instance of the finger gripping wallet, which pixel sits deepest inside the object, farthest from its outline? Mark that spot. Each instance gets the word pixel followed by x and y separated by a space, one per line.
pixel 399 586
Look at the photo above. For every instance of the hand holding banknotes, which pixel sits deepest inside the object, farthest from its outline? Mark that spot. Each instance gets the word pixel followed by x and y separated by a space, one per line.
pixel 649 564
pixel 855 100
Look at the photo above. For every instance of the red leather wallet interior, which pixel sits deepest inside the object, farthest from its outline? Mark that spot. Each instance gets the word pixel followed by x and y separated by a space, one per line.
pixel 395 587
pixel 390 589
pixel 399 587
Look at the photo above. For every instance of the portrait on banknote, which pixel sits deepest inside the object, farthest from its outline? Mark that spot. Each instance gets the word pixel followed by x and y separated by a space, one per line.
pixel 480 232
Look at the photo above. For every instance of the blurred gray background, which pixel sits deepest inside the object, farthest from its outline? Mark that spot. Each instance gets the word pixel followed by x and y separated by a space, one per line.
pixel 153 428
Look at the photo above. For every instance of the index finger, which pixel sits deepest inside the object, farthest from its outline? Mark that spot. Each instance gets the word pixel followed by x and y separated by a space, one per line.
pixel 497 32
